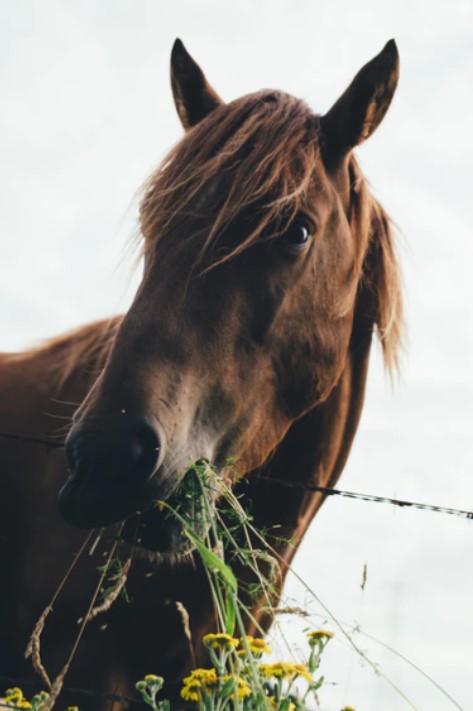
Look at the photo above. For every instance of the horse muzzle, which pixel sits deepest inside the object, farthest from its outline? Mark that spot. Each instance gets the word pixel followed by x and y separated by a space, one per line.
pixel 115 471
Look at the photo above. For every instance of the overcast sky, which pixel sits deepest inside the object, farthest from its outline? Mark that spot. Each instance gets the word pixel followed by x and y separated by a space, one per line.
pixel 86 113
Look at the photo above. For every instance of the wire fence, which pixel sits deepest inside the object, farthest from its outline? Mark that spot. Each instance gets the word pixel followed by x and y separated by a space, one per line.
pixel 373 498
pixel 326 490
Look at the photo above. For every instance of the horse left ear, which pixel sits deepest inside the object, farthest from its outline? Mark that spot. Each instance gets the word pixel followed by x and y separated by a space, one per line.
pixel 193 95
pixel 360 110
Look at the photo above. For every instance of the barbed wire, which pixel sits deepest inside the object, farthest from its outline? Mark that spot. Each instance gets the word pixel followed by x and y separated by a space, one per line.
pixel 373 498
pixel 328 491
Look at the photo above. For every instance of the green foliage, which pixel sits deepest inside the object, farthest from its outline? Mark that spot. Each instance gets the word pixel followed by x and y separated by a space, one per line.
pixel 113 571
pixel 238 680
pixel 149 687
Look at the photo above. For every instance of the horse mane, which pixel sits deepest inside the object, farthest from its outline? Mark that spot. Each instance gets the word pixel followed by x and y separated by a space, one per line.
pixel 85 347
pixel 253 157
pixel 380 274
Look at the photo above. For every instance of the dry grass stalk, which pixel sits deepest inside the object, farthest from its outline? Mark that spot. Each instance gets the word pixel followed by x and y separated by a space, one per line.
pixel 56 688
pixel 187 628
pixel 57 684
pixel 33 649
pixel 120 580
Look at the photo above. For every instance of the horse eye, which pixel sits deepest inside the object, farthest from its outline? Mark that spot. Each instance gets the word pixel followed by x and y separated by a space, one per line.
pixel 296 236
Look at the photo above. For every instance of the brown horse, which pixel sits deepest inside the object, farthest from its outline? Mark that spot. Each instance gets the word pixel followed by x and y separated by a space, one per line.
pixel 268 266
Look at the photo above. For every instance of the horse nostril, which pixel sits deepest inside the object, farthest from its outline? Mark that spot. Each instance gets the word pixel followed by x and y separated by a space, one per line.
pixel 115 449
pixel 145 448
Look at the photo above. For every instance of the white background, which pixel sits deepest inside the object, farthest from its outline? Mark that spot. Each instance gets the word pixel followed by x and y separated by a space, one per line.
pixel 86 113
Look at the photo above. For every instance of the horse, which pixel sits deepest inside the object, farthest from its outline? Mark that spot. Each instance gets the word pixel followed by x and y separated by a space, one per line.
pixel 268 268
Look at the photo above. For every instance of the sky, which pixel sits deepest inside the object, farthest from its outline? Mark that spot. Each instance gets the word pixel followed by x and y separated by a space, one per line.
pixel 87 113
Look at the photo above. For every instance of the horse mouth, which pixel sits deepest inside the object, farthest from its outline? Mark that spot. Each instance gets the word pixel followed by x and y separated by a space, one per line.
pixel 163 520
pixel 168 528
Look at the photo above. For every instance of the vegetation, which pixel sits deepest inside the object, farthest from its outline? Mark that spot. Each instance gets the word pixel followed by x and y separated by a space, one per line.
pixel 237 679
pixel 240 679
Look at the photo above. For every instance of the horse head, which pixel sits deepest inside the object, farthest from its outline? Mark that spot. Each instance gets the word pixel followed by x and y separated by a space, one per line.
pixel 259 236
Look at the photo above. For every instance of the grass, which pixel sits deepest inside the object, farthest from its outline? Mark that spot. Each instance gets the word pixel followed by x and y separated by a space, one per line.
pixel 240 678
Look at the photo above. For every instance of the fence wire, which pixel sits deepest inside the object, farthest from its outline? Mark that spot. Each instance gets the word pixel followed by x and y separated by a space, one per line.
pixel 326 490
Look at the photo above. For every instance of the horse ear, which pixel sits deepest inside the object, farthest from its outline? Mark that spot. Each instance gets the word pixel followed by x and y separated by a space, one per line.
pixel 193 95
pixel 360 110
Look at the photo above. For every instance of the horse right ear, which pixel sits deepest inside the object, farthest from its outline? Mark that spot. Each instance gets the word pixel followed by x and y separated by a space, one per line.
pixel 193 95
pixel 360 110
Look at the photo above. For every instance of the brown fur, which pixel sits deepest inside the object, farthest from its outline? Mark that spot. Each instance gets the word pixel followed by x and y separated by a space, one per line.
pixel 370 226
pixel 228 189
pixel 86 344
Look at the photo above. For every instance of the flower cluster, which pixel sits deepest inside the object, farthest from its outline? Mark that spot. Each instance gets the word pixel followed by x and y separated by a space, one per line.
pixel 220 641
pixel 251 684
pixel 202 683
pixel 256 646
pixel 241 681
pixel 199 682
pixel 15 699
pixel 253 645
pixel 319 636
pixel 149 687
pixel 285 670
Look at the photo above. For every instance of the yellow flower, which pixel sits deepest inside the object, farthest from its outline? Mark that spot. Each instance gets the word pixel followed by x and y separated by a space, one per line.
pixel 190 692
pixel 272 670
pixel 348 708
pixel 72 708
pixel 15 697
pixel 301 670
pixel 150 678
pixel 220 641
pixel 198 680
pixel 285 670
pixel 243 689
pixel 14 694
pixel 319 636
pixel 257 646
pixel 208 676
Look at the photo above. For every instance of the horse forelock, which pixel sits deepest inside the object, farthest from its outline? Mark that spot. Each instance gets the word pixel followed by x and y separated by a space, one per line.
pixel 254 155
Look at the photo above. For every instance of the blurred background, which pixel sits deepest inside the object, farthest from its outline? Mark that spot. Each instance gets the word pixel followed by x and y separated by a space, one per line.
pixel 86 114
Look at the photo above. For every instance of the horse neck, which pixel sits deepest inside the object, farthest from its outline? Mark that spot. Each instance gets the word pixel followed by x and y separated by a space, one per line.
pixel 313 452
